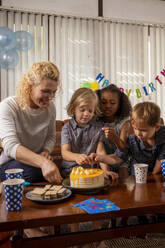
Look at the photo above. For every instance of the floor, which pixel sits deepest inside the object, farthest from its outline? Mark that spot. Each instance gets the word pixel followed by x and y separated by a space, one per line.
pixel 152 240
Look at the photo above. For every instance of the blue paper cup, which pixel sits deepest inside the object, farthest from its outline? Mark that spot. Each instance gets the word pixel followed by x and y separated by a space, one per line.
pixel 163 168
pixel 14 173
pixel 13 189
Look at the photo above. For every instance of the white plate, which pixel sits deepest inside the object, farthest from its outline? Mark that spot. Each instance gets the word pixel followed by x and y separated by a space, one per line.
pixel 32 198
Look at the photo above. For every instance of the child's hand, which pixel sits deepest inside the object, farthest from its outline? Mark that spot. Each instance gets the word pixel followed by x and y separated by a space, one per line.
pixel 110 133
pixel 82 159
pixel 99 158
pixel 92 157
pixel 111 174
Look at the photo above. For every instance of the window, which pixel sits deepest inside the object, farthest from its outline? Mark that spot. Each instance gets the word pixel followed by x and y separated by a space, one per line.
pixel 84 47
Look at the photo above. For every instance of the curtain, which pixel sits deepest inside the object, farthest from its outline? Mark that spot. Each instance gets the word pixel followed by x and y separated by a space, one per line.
pixel 157 67
pixel 82 48
pixel 122 56
pixel 116 50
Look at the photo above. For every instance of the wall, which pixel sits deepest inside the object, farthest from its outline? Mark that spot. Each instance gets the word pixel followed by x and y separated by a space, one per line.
pixel 76 7
pixel 143 10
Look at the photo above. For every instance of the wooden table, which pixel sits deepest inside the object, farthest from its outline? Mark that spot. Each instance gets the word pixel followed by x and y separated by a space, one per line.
pixel 133 200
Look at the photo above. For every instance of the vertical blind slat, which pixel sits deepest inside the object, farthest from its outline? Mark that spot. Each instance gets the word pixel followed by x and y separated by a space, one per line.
pixel 11 74
pixel 38 38
pixel 45 31
pixel 31 52
pixel 23 54
pixel 4 73
pixel 57 51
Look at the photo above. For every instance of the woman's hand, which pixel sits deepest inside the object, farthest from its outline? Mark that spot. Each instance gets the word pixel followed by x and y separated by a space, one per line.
pixel 51 172
pixel 45 153
pixel 110 133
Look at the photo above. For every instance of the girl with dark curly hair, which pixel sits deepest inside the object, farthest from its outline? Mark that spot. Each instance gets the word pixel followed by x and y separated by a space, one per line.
pixel 116 109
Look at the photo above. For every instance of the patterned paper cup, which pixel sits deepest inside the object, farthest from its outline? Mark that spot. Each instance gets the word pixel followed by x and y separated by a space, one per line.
pixel 13 194
pixel 14 173
pixel 141 172
pixel 163 168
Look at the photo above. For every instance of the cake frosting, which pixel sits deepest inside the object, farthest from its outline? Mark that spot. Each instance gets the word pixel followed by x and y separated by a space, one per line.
pixel 86 178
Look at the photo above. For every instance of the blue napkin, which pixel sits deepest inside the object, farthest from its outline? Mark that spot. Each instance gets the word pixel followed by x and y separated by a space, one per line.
pixel 93 206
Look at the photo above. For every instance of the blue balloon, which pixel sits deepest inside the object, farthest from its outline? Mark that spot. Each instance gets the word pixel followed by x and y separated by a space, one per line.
pixel 24 40
pixel 7 39
pixel 8 59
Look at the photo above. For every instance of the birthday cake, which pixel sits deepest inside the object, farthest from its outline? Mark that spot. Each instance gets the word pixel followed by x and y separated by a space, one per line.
pixel 86 178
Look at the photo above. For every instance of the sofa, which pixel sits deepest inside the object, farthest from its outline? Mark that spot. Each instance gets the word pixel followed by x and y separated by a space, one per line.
pixel 57 149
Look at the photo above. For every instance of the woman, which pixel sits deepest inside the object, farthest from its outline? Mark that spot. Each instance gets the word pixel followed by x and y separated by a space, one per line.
pixel 27 125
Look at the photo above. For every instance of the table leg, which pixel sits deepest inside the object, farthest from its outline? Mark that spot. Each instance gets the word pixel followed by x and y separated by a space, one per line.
pixel 17 235
pixel 57 229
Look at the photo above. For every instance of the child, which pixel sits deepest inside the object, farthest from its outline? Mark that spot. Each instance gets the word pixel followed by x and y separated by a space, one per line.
pixel 81 137
pixel 147 144
pixel 116 108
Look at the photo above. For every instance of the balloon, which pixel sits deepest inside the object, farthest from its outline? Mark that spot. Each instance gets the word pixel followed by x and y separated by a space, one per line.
pixel 8 59
pixel 24 40
pixel 7 39
pixel 91 85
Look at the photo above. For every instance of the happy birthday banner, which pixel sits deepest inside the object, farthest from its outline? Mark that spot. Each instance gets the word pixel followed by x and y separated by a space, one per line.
pixel 139 92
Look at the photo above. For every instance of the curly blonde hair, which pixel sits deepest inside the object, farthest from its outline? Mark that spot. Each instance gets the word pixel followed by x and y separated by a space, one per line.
pixel 82 96
pixel 38 72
